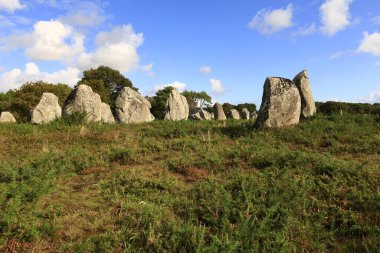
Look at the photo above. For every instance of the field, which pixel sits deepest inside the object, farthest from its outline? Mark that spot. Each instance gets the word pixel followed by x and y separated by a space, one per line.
pixel 191 187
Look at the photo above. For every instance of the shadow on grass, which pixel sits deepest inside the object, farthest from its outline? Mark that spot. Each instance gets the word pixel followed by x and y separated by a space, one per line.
pixel 238 129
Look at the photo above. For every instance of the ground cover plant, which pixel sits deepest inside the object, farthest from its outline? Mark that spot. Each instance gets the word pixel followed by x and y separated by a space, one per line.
pixel 191 186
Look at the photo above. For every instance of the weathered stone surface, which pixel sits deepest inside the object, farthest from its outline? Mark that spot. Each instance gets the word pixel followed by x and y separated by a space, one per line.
pixel 218 112
pixel 280 105
pixel 107 116
pixel 253 115
pixel 83 99
pixel 177 107
pixel 233 114
pixel 47 109
pixel 200 114
pixel 7 117
pixel 245 114
pixel 132 107
pixel 302 82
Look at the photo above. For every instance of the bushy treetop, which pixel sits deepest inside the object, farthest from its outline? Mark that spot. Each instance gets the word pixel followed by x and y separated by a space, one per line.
pixel 197 99
pixel 24 99
pixel 107 82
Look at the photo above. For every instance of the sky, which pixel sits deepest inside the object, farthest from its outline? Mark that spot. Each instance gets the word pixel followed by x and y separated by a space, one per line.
pixel 224 47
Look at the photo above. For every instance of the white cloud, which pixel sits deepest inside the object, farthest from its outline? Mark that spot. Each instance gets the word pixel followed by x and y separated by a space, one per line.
pixel 124 34
pixel 16 77
pixel 178 85
pixel 268 21
pixel 305 30
pixel 83 18
pixel 370 44
pixel 10 5
pixel 217 86
pixel 121 56
pixel 55 41
pixel 205 69
pixel 376 20
pixel 335 15
pixel 373 97
pixel 5 22
pixel 148 69
pixel 49 41
pixel 339 54
pixel 116 49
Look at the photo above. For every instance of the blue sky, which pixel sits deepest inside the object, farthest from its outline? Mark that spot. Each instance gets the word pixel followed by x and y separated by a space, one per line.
pixel 224 47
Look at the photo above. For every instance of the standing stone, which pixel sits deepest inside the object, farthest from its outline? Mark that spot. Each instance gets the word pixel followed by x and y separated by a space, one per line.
pixel 307 101
pixel 47 109
pixel 7 117
pixel 200 114
pixel 233 114
pixel 107 116
pixel 132 107
pixel 280 105
pixel 83 99
pixel 177 107
pixel 219 112
pixel 253 115
pixel 245 114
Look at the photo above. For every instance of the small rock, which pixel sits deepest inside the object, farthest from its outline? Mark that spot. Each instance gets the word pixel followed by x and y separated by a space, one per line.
pixel 200 114
pixel 245 114
pixel 253 115
pixel 7 117
pixel 47 109
pixel 107 116
pixel 233 114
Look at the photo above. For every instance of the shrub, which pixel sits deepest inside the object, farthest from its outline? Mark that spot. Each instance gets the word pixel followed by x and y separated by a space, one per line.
pixel 28 95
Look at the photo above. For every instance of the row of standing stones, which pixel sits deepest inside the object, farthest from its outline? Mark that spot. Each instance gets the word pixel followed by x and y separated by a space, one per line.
pixel 284 102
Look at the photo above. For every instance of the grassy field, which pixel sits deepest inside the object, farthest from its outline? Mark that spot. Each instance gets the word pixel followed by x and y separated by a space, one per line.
pixel 191 187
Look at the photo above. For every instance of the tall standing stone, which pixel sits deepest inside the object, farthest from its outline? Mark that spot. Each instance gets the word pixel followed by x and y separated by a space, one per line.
pixel 7 117
pixel 177 107
pixel 307 101
pixel 219 112
pixel 245 114
pixel 233 114
pixel 83 99
pixel 107 116
pixel 280 105
pixel 132 107
pixel 47 109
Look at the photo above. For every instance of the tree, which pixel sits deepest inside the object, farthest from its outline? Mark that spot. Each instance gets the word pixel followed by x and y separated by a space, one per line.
pixel 227 107
pixel 5 100
pixel 331 107
pixel 250 106
pixel 28 96
pixel 159 102
pixel 197 99
pixel 107 82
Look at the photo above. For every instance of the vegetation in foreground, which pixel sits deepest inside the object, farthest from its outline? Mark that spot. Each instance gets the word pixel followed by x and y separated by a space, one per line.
pixel 191 187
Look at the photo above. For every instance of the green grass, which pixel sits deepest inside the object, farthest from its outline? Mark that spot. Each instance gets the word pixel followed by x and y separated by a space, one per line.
pixel 191 187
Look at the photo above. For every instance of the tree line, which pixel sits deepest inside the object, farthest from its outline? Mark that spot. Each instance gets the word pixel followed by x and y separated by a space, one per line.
pixel 108 82
pixel 105 81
